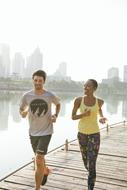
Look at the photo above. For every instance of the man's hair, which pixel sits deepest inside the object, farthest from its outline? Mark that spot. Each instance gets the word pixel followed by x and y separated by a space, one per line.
pixel 40 73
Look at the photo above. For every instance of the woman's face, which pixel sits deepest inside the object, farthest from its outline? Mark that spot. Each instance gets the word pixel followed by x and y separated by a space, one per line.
pixel 89 87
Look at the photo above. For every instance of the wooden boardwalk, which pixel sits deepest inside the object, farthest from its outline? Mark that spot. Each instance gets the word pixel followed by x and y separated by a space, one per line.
pixel 68 172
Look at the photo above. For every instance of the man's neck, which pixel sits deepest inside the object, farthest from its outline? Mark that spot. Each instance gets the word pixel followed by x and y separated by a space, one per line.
pixel 39 92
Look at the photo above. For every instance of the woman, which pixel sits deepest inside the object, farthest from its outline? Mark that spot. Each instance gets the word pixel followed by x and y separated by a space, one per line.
pixel 88 128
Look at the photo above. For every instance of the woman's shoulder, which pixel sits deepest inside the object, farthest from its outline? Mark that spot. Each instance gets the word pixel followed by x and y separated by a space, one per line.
pixel 100 101
pixel 78 100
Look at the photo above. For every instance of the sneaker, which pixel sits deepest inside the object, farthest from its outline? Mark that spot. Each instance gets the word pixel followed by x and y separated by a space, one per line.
pixel 44 180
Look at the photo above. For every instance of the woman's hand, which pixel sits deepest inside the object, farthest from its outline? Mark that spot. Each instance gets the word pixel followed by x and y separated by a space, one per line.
pixel 102 120
pixel 87 112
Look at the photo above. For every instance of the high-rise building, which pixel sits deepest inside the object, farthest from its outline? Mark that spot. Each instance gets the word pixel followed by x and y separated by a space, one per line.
pixel 60 73
pixel 18 65
pixel 34 62
pixel 4 60
pixel 62 70
pixel 125 73
pixel 113 73
pixel 1 67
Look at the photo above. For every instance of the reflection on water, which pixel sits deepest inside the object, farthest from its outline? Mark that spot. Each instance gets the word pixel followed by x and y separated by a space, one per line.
pixel 112 105
pixel 14 130
pixel 4 114
pixel 117 106
pixel 9 106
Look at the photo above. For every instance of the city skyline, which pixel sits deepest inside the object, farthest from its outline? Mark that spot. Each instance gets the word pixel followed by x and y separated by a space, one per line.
pixel 22 67
pixel 90 36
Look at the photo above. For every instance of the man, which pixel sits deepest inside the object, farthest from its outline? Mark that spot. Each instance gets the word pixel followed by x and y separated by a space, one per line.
pixel 37 105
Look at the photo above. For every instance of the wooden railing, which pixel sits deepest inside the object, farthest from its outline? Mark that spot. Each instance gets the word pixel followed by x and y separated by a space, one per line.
pixel 113 125
pixel 106 127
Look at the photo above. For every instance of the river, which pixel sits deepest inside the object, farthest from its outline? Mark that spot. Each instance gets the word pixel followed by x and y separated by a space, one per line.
pixel 15 147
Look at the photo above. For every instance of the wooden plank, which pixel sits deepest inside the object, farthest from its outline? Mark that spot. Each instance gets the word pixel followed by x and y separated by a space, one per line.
pixel 68 172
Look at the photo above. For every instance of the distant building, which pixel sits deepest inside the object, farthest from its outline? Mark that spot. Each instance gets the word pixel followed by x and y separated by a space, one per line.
pixel 62 70
pixel 34 62
pixel 61 73
pixel 1 67
pixel 125 73
pixel 18 66
pixel 113 73
pixel 4 60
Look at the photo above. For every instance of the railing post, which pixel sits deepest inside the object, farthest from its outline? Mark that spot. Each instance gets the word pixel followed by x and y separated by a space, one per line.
pixel 33 163
pixel 107 127
pixel 66 145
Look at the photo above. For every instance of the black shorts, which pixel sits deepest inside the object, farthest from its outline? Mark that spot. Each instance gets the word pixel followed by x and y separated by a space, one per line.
pixel 40 143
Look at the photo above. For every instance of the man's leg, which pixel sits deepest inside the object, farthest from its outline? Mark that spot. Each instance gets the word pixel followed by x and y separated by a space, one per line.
pixel 41 151
pixel 39 172
pixel 40 146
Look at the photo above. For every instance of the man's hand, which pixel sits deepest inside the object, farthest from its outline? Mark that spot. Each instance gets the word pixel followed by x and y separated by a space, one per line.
pixel 53 118
pixel 23 113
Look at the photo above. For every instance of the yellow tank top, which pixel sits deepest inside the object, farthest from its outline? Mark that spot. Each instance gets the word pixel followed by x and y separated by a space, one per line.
pixel 89 124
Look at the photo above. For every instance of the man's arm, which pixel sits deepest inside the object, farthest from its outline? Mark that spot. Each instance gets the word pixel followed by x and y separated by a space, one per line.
pixel 57 110
pixel 23 113
pixel 23 110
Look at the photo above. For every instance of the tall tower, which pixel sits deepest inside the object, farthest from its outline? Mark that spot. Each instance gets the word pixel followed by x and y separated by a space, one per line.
pixel 18 65
pixel 62 70
pixel 125 73
pixel 34 62
pixel 5 60
pixel 113 73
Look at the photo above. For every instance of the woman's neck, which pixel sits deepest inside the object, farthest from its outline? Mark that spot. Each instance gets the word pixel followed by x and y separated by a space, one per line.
pixel 89 100
pixel 90 96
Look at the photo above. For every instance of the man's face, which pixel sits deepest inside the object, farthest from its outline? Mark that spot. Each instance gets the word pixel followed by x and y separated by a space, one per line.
pixel 38 82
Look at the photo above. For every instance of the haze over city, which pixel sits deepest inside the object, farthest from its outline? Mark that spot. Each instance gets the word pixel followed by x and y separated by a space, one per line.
pixel 90 36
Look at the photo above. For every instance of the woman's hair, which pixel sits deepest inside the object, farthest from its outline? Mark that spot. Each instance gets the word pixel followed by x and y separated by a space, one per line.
pixel 94 82
pixel 40 73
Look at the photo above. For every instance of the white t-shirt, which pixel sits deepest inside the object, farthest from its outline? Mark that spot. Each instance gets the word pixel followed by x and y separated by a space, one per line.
pixel 39 112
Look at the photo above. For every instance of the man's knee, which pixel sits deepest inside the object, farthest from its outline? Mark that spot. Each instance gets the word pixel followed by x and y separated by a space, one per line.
pixel 39 160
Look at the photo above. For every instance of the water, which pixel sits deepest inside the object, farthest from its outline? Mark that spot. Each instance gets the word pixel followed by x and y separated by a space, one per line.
pixel 15 146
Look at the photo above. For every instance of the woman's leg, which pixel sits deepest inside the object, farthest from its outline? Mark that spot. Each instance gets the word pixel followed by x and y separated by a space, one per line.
pixel 93 149
pixel 83 140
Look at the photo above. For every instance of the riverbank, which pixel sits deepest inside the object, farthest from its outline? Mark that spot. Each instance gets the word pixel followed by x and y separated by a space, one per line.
pixel 104 89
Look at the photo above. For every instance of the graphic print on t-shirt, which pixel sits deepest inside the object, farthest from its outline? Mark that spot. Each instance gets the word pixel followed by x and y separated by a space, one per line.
pixel 39 107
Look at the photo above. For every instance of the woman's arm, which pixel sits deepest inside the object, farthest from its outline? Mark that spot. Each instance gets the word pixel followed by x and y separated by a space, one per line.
pixel 76 106
pixel 102 118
